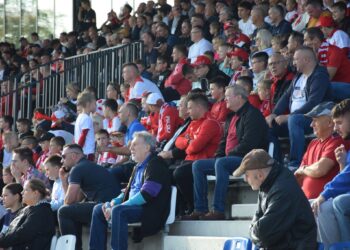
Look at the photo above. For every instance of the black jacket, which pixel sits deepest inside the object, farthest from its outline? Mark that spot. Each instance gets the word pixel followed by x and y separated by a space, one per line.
pixel 251 129
pixel 155 210
pixel 284 219
pixel 32 229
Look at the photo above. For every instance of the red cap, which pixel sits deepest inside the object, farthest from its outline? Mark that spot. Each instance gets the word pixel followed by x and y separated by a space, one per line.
pixel 202 60
pixel 325 21
pixel 228 25
pixel 241 53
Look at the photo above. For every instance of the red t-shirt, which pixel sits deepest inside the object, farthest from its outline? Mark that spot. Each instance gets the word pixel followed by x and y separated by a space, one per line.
pixel 219 111
pixel 232 140
pixel 316 150
pixel 332 56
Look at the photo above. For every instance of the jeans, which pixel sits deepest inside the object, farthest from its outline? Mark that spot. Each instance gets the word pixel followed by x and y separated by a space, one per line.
pixel 221 168
pixel 298 125
pixel 72 217
pixel 340 91
pixel 341 206
pixel 121 216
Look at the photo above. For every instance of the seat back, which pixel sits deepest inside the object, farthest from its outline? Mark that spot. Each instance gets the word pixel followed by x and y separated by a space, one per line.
pixel 238 243
pixel 66 242
pixel 171 216
pixel 53 242
pixel 340 246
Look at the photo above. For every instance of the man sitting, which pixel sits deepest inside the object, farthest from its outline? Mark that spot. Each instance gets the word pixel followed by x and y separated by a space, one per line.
pixel 319 164
pixel 245 130
pixel 146 198
pixel 284 218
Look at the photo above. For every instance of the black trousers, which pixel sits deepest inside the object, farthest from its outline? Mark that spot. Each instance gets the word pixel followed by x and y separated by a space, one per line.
pixel 183 179
pixel 71 218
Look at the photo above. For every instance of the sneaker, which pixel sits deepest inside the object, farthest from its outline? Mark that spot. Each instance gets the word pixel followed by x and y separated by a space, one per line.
pixel 213 215
pixel 292 168
pixel 193 216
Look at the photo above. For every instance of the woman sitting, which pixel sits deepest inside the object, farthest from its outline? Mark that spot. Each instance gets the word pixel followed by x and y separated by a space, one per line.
pixel 12 201
pixel 34 226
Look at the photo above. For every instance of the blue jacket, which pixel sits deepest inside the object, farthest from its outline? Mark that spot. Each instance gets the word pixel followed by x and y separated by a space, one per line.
pixel 317 90
pixel 340 184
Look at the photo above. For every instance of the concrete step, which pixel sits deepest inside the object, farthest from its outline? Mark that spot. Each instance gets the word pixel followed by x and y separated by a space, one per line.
pixel 194 243
pixel 243 211
pixel 225 228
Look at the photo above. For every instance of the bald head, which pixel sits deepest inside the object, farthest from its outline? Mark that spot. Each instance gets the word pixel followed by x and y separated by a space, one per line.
pixel 305 60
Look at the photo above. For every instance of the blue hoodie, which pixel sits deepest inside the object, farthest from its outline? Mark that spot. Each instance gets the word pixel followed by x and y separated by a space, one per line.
pixel 340 184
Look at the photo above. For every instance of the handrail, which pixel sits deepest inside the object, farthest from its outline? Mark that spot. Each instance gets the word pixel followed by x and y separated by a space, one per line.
pixel 20 95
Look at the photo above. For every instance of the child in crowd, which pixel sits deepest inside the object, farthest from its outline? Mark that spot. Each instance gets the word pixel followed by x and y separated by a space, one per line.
pixel 124 90
pixel 7 176
pixel 219 110
pixel 217 41
pixel 104 159
pixel 52 167
pixel 10 140
pixel 56 145
pixel 84 128
pixel 278 42
pixel 214 29
pixel 23 127
pixel 110 111
pixel 12 200
pixel 32 143
pixel 247 83
pixel 238 59
pixel 222 60
pixel 6 122
pixel 264 92
pixel 292 8
pixel 162 71
pixel 44 142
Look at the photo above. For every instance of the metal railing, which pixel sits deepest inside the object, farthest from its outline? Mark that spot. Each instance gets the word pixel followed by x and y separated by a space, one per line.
pixel 44 85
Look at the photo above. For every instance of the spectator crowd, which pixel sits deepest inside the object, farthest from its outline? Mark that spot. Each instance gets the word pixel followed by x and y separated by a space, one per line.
pixel 218 79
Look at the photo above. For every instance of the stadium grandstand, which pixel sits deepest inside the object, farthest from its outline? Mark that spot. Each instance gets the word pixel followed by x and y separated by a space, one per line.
pixel 184 124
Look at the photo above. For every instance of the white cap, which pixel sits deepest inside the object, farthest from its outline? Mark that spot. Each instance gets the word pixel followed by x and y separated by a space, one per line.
pixel 153 98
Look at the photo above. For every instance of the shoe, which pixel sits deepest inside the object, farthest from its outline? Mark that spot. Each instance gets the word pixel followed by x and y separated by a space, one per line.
pixel 213 215
pixel 193 216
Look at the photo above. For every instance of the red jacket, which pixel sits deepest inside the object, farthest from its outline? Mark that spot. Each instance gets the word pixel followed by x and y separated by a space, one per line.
pixel 168 122
pixel 177 81
pixel 201 138
pixel 219 111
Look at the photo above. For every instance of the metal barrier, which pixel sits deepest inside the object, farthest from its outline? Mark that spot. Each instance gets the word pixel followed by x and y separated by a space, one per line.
pixel 44 85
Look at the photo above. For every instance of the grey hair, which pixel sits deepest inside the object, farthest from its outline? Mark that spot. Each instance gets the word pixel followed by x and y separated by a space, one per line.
pixel 265 38
pixel 147 137
pixel 238 90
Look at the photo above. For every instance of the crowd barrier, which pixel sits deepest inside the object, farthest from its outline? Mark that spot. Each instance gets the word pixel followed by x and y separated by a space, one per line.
pixel 44 85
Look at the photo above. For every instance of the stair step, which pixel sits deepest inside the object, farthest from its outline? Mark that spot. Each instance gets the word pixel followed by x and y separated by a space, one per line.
pixel 243 211
pixel 225 228
pixel 194 243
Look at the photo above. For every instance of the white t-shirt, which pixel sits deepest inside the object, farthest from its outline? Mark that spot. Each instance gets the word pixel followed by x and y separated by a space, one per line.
pixel 247 27
pixel 198 49
pixel 339 39
pixel 68 137
pixel 298 95
pixel 84 121
pixel 112 125
pixel 141 86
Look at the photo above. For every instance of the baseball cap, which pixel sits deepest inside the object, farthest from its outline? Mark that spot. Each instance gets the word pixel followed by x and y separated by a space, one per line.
pixel 59 114
pixel 153 98
pixel 325 21
pixel 255 159
pixel 241 53
pixel 201 60
pixel 46 137
pixel 324 108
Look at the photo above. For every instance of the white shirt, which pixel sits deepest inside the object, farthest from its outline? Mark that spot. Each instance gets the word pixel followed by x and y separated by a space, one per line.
pixel 300 23
pixel 247 27
pixel 339 39
pixel 57 195
pixel 198 49
pixel 84 121
pixel 142 86
pixel 298 95
pixel 68 137
pixel 113 125
pixel 290 15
